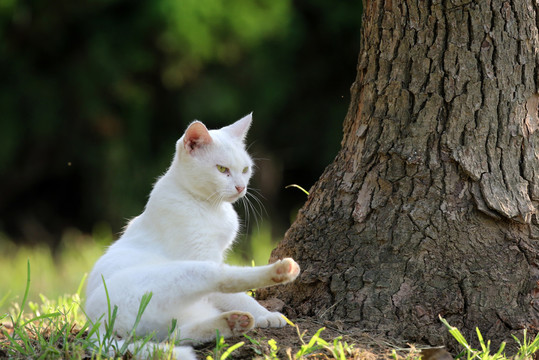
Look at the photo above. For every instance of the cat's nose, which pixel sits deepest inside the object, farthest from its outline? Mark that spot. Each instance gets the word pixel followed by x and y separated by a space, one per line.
pixel 240 189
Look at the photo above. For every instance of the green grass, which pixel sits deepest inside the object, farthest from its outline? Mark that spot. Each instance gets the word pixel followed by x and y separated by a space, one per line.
pixel 527 347
pixel 60 274
pixel 58 329
pixel 36 326
pixel 45 329
pixel 337 349
pixel 54 325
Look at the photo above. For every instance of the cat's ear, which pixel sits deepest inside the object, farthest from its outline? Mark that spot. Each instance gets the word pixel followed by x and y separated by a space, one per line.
pixel 196 136
pixel 239 128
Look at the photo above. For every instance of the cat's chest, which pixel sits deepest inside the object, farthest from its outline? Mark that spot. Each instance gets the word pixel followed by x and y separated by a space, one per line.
pixel 201 233
pixel 221 222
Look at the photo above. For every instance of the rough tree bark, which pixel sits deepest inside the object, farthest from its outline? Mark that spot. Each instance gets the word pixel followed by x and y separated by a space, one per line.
pixel 431 206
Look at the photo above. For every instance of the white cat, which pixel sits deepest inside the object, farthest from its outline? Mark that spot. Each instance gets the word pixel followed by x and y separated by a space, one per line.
pixel 175 249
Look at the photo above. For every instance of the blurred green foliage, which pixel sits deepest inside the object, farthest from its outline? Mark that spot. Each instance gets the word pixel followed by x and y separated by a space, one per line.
pixel 94 94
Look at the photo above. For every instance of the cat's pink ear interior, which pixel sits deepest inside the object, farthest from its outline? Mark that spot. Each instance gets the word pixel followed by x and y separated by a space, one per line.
pixel 196 136
pixel 239 128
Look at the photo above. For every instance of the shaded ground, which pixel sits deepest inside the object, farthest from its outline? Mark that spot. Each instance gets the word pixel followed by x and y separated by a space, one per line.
pixel 279 343
pixel 289 341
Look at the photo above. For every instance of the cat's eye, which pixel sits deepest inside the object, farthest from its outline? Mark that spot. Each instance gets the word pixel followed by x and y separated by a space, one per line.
pixel 245 169
pixel 222 169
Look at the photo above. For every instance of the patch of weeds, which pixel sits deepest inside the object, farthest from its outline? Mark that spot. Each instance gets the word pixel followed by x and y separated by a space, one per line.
pixel 411 354
pixel 471 353
pixel 264 349
pixel 109 343
pixel 58 329
pixel 526 347
pixel 222 350
pixel 51 331
pixel 336 349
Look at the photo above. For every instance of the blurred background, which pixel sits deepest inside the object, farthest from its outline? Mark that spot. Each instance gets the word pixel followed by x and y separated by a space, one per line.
pixel 94 94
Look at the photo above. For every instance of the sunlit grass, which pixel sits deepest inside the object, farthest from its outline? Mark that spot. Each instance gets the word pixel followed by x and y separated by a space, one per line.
pixel 49 302
pixel 60 274
pixel 59 330
pixel 53 274
pixel 56 327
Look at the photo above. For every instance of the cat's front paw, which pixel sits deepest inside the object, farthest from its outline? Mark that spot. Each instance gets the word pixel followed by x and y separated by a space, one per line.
pixel 284 271
pixel 272 319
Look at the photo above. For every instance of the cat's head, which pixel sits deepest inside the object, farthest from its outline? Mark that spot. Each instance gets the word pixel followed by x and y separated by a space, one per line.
pixel 214 164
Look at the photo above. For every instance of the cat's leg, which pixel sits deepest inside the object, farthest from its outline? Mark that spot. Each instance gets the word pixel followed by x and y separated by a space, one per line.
pixel 242 301
pixel 230 323
pixel 241 279
pixel 280 272
pixel 176 285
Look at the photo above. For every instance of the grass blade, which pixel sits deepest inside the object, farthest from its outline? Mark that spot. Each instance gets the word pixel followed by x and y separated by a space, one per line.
pixel 231 349
pixel 4 298
pixel 81 284
pixel 297 187
pixel 288 321
pixel 142 307
pixel 45 316
pixel 26 291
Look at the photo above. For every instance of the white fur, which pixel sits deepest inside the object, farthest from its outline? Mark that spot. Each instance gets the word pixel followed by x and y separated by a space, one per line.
pixel 175 249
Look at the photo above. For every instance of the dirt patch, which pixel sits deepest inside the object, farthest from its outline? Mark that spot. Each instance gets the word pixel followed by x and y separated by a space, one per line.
pixel 289 341
pixel 285 343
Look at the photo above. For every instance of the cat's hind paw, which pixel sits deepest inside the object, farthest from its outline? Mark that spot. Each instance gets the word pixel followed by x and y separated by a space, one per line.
pixel 239 322
pixel 273 319
pixel 285 270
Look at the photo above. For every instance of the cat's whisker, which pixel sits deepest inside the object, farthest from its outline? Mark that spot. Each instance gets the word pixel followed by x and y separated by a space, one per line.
pixel 210 198
pixel 248 147
pixel 256 206
pixel 247 212
pixel 258 193
pixel 257 214
pixel 215 199
pixel 260 204
pixel 220 199
pixel 257 159
pixel 251 206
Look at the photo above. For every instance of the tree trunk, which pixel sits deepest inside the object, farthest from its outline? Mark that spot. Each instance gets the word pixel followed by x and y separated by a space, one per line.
pixel 430 207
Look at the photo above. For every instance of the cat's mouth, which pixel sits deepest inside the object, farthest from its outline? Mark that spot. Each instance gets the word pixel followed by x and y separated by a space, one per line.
pixel 235 197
